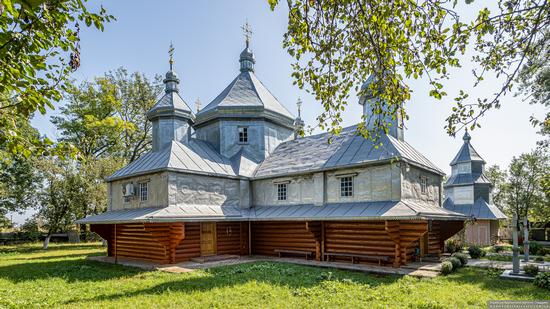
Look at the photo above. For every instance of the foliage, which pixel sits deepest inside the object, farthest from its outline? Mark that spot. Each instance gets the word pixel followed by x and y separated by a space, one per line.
pixel 107 116
pixel 39 47
pixel 453 245
pixel 542 280
pixel 456 262
pixel 531 270
pixel 475 252
pixel 61 277
pixel 498 179
pixel 446 267
pixel 463 257
pixel 498 248
pixel 31 229
pixel 338 44
pixel 535 248
pixel 539 259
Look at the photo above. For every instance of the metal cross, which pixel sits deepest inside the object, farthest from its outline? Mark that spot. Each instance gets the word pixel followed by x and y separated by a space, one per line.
pixel 171 53
pixel 247 32
pixel 198 104
pixel 299 104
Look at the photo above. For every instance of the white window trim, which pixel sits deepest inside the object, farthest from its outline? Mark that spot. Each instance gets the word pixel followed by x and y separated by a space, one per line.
pixel 146 183
pixel 278 186
pixel 352 186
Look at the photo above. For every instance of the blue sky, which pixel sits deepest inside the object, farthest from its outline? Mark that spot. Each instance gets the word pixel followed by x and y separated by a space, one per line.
pixel 208 38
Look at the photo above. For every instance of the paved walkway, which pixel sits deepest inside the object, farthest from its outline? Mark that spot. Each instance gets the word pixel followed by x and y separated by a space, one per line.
pixel 504 265
pixel 417 269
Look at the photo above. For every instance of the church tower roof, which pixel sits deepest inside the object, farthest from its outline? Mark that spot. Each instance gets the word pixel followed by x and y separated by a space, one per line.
pixel 467 153
pixel 246 95
pixel 171 103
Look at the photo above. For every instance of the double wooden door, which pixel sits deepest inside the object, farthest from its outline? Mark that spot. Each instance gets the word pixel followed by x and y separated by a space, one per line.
pixel 208 238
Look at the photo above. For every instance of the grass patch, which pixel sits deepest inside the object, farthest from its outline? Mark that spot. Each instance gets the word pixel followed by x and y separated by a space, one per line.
pixel 61 277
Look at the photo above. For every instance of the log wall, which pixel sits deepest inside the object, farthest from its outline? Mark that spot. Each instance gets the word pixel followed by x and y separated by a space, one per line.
pixel 229 238
pixel 190 246
pixel 268 236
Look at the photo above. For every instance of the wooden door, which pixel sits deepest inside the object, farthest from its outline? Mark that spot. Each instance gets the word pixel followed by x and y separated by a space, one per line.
pixel 482 236
pixel 208 238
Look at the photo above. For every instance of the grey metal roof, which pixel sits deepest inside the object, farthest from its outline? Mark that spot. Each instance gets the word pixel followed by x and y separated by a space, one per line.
pixel 171 103
pixel 246 91
pixel 467 153
pixel 166 214
pixel 316 153
pixel 389 210
pixel 479 210
pixel 196 156
pixel 467 179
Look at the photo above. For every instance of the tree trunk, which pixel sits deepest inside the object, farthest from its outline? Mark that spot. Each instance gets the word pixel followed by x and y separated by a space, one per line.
pixel 47 241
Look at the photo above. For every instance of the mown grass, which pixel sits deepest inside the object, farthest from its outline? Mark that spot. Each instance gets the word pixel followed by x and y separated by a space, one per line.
pixel 61 277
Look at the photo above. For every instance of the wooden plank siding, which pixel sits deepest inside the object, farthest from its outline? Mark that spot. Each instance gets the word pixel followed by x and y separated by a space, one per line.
pixel 230 240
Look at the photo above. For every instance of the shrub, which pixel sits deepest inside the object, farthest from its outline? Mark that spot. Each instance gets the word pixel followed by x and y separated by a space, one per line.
pixel 531 270
pixel 453 245
pixel 539 259
pixel 476 252
pixel 447 267
pixel 544 251
pixel 498 249
pixel 534 248
pixel 542 280
pixel 456 262
pixel 463 257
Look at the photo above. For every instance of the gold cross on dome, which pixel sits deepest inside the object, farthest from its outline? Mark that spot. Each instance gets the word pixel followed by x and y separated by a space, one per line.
pixel 247 31
pixel 171 53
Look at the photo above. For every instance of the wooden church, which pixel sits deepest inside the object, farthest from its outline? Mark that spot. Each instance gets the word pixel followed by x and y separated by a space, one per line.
pixel 235 178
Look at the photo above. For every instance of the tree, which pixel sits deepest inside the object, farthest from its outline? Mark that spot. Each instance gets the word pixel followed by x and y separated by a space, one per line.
pixel 498 178
pixel 61 197
pixel 39 47
pixel 338 44
pixel 19 179
pixel 106 117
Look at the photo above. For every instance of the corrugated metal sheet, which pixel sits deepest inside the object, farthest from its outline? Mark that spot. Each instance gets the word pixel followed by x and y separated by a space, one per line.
pixel 388 210
pixel 479 210
pixel 316 153
pixel 197 156
pixel 467 179
pixel 247 91
pixel 467 153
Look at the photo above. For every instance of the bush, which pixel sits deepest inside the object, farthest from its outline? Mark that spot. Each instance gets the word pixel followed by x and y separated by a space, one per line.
pixel 544 251
pixel 534 248
pixel 542 280
pixel 453 245
pixel 498 249
pixel 446 267
pixel 456 262
pixel 476 252
pixel 539 259
pixel 463 257
pixel 531 270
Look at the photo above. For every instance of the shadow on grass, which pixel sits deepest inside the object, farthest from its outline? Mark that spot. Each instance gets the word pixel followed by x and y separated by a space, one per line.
pixel 69 270
pixel 489 280
pixel 37 248
pixel 271 273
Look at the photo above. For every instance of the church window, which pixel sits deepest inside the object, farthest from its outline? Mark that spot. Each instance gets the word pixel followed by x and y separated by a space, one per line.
pixel 281 191
pixel 346 186
pixel 423 185
pixel 143 191
pixel 243 135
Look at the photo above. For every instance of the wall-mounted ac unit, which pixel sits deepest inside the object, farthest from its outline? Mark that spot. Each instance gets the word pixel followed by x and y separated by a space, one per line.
pixel 128 189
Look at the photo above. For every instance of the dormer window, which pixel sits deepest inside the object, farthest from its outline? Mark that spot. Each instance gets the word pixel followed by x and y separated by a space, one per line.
pixel 243 135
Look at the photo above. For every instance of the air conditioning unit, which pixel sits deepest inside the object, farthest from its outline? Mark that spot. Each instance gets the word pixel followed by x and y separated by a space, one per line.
pixel 128 189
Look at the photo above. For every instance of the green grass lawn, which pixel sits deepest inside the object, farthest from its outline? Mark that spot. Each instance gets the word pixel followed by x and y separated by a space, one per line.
pixel 61 277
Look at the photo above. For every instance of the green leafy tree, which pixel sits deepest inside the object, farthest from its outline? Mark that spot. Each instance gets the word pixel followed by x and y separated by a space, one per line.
pixel 338 44
pixel 498 178
pixel 39 47
pixel 61 197
pixel 524 193
pixel 19 179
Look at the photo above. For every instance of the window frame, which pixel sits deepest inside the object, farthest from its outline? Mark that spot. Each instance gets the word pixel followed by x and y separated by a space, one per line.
pixel 242 136
pixel 282 191
pixel 423 185
pixel 141 184
pixel 346 186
